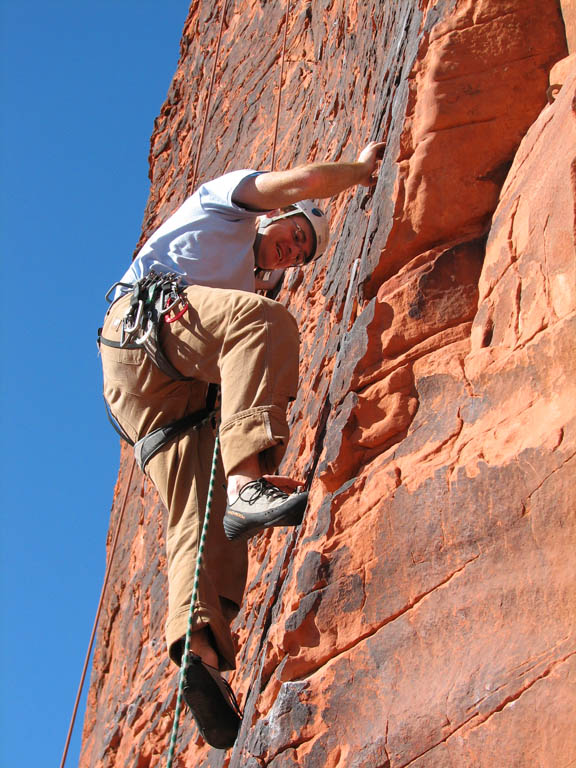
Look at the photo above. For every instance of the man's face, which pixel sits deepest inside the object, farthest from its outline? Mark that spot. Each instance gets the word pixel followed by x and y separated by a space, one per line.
pixel 284 243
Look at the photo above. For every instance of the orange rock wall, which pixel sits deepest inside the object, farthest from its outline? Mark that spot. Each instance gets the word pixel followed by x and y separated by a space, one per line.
pixel 423 615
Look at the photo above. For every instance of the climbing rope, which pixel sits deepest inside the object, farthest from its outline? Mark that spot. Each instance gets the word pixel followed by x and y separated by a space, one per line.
pixel 186 654
pixel 185 663
pixel 280 85
pixel 98 611
pixel 117 531
pixel 209 95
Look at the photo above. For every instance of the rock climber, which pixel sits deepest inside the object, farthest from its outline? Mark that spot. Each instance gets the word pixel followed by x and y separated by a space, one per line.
pixel 246 343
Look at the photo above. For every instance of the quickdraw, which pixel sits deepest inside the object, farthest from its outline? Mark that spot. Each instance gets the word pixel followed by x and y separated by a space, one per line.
pixel 153 298
pixel 180 314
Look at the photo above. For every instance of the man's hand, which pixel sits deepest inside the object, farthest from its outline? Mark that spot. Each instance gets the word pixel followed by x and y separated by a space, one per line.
pixel 285 483
pixel 277 189
pixel 370 158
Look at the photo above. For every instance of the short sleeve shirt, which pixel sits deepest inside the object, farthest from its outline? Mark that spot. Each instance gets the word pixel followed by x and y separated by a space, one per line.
pixel 208 241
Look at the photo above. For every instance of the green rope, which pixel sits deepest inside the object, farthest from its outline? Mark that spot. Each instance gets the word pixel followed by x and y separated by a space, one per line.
pixel 186 654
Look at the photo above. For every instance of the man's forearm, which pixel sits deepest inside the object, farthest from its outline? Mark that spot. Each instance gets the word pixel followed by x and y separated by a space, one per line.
pixel 315 181
pixel 278 189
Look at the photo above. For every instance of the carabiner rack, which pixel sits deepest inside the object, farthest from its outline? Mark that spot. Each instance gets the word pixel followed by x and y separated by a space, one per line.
pixel 153 298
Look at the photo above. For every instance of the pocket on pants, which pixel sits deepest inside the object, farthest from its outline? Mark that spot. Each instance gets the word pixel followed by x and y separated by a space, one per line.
pixel 121 364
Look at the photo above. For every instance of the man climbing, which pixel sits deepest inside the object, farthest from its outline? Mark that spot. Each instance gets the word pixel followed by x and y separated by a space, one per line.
pixel 217 331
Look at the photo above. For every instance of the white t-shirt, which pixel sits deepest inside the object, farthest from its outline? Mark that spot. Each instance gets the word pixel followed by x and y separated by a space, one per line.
pixel 208 240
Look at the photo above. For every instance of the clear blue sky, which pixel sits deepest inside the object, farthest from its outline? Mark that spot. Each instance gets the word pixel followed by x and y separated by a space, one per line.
pixel 81 85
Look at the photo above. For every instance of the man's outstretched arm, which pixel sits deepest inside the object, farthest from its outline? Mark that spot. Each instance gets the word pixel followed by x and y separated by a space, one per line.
pixel 278 189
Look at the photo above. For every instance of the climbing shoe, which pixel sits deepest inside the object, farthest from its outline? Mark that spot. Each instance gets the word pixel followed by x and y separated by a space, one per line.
pixel 260 505
pixel 212 703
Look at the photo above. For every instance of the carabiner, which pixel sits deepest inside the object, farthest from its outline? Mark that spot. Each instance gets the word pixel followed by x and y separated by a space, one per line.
pixel 180 314
pixel 137 321
pixel 116 285
pixel 144 338
pixel 165 305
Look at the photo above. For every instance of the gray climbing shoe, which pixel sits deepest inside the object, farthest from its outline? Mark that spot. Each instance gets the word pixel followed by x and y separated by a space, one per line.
pixel 260 505
pixel 212 703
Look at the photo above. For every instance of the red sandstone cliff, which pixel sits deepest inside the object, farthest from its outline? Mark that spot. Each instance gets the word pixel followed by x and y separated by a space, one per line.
pixel 423 615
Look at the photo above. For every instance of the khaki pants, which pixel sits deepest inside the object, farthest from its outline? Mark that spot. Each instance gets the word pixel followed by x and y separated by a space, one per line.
pixel 249 345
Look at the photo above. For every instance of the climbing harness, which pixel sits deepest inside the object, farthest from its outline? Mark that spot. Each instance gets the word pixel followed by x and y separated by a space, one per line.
pixel 149 445
pixel 185 662
pixel 154 298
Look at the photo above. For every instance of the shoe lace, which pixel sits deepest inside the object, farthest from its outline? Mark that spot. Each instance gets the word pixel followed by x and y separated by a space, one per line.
pixel 233 699
pixel 252 491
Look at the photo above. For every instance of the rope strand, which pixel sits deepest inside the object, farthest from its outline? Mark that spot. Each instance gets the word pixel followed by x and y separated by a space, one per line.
pixel 209 96
pixel 186 654
pixel 97 618
pixel 280 86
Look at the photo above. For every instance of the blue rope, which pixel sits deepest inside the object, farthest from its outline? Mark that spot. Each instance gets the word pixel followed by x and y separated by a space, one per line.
pixel 186 654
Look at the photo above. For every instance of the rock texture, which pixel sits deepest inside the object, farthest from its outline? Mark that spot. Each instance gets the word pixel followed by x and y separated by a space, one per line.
pixel 423 615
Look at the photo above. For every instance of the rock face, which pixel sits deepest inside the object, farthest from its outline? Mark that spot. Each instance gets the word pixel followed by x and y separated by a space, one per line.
pixel 423 615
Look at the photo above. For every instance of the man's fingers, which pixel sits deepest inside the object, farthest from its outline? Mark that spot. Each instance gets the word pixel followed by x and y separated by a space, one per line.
pixel 371 156
pixel 283 481
pixel 373 149
pixel 377 149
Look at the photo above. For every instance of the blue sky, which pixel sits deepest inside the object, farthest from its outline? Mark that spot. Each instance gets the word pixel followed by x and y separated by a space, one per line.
pixel 81 85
